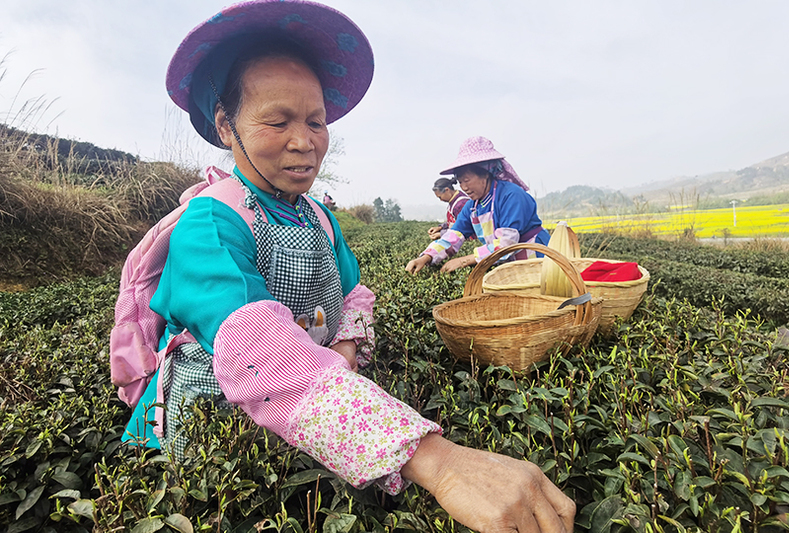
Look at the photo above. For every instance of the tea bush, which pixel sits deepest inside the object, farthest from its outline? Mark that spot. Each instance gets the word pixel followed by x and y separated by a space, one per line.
pixel 677 422
pixel 738 279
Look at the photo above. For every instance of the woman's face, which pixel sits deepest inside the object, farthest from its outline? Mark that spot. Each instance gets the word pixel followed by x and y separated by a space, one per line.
pixel 282 125
pixel 474 185
pixel 445 195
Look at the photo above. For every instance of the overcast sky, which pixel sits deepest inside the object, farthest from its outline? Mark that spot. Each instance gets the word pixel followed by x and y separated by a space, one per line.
pixel 603 93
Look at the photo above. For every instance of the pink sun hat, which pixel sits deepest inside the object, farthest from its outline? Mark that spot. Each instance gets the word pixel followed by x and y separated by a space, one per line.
pixel 480 151
pixel 341 55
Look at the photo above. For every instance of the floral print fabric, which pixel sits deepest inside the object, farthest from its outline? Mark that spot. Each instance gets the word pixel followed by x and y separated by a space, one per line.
pixel 357 430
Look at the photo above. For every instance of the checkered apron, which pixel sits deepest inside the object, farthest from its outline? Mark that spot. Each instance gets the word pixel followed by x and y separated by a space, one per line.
pixel 301 273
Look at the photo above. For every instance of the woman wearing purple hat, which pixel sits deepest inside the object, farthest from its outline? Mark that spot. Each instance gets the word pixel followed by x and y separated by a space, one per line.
pixel 263 79
pixel 501 212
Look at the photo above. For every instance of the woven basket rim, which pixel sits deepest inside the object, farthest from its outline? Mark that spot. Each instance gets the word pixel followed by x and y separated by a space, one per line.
pixel 514 321
pixel 645 277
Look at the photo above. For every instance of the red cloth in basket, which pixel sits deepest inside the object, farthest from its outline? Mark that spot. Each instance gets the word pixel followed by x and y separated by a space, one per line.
pixel 605 271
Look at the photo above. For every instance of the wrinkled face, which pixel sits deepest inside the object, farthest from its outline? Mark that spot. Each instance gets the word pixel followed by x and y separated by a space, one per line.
pixel 282 125
pixel 474 185
pixel 445 195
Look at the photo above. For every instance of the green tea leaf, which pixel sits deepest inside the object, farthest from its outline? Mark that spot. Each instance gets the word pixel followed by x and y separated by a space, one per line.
pixel 29 501
pixel 539 424
pixel 503 410
pixel 678 445
pixel 507 384
pixel 770 402
pixel 758 499
pixel 82 508
pixel 148 525
pixel 646 444
pixel 339 523
pixel 67 493
pixel 179 523
pixel 597 373
pixel 23 525
pixel 704 482
pixel 630 456
pixel 198 494
pixel 32 448
pixel 70 480
pixel 682 483
pixel 305 477
pixel 604 514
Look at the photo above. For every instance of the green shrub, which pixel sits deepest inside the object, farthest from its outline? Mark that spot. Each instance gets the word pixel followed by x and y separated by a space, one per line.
pixel 676 423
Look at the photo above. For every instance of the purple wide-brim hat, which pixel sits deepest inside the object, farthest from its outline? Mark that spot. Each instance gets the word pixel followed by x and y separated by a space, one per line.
pixel 473 150
pixel 343 55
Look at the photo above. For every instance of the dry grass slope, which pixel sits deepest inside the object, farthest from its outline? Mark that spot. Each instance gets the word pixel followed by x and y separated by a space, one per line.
pixel 65 215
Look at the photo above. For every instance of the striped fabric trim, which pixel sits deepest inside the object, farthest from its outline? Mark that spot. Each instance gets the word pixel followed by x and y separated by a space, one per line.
pixel 501 238
pixel 447 246
pixel 265 362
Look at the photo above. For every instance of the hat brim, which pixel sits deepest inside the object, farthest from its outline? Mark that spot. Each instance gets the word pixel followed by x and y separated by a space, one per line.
pixel 488 155
pixel 344 56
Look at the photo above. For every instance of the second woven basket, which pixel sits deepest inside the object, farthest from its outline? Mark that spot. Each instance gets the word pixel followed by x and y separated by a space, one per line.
pixel 513 329
pixel 620 298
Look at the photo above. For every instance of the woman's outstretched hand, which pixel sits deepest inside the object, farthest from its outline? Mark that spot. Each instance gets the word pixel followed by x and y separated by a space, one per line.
pixel 488 492
pixel 458 262
pixel 348 350
pixel 415 265
pixel 434 232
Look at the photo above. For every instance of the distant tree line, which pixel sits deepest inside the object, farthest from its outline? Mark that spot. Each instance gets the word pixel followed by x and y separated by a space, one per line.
pixel 388 211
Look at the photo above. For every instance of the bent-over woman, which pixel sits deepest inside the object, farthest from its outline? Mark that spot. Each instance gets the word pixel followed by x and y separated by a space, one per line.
pixel 276 315
pixel 445 191
pixel 501 211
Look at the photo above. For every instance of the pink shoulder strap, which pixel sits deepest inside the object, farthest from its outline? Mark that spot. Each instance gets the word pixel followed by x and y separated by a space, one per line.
pixel 325 222
pixel 230 192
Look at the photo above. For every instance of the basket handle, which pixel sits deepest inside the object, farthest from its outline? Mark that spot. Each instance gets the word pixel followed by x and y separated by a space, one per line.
pixel 474 281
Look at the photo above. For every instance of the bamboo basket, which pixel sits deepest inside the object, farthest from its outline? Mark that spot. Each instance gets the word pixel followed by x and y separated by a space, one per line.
pixel 620 298
pixel 517 330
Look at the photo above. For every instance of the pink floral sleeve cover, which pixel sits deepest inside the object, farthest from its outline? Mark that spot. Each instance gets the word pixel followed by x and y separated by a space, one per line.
pixel 356 323
pixel 308 395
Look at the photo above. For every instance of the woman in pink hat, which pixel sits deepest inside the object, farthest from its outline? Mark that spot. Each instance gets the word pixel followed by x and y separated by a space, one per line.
pixel 275 311
pixel 444 189
pixel 501 212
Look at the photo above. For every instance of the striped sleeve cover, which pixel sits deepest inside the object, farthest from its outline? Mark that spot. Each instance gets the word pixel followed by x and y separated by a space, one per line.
pixel 308 395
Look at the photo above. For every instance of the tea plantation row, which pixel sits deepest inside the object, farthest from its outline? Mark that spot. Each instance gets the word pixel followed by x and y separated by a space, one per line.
pixel 678 422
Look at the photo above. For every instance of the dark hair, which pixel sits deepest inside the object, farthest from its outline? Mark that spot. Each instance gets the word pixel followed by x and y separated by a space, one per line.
pixel 474 169
pixel 271 46
pixel 444 183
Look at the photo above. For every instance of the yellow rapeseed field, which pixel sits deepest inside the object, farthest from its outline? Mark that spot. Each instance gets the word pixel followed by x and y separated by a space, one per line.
pixel 752 221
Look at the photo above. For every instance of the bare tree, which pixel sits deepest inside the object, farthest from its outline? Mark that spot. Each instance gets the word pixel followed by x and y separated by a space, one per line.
pixel 328 176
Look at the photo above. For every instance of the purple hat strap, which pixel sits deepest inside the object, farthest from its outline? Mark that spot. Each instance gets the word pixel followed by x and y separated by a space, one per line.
pixel 502 170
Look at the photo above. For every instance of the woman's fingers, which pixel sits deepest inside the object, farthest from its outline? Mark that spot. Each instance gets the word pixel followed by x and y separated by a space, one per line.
pixel 489 492
pixel 564 506
pixel 415 265
pixel 546 517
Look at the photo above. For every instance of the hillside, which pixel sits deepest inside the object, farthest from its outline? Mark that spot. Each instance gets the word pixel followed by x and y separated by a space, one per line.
pixel 764 179
pixel 763 183
pixel 583 200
